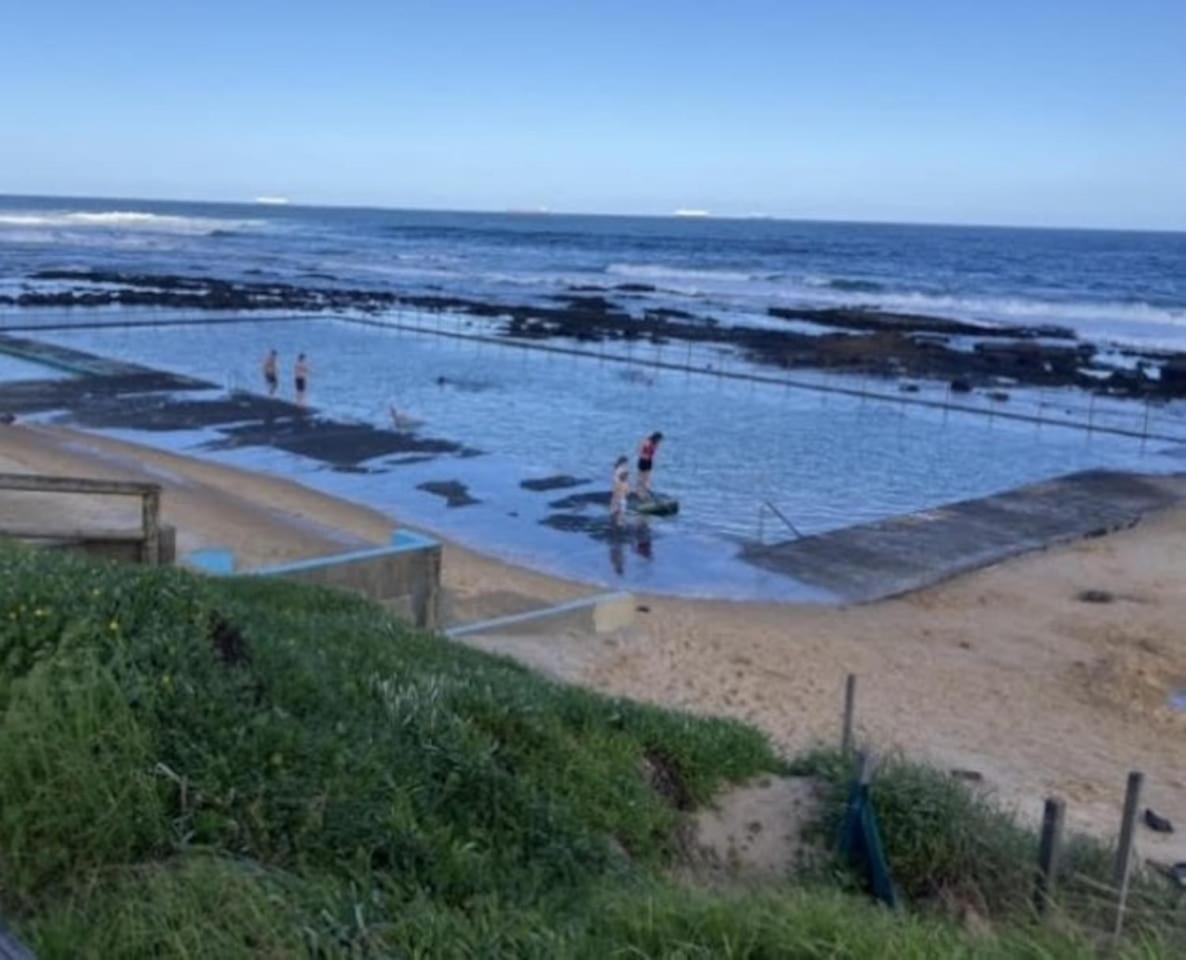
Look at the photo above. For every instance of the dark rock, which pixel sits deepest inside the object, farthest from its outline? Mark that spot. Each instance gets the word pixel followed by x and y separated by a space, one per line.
pixel 868 318
pixel 1156 823
pixel 1095 596
pixel 1173 376
pixel 558 482
pixel 908 387
pixel 877 342
pixel 1000 396
pixel 455 493
pixel 961 385
pixel 598 498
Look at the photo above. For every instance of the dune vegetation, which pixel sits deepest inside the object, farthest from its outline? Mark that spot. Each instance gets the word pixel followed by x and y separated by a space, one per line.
pixel 206 768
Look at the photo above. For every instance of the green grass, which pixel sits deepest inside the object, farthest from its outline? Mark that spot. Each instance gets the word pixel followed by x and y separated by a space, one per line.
pixel 201 768
pixel 951 850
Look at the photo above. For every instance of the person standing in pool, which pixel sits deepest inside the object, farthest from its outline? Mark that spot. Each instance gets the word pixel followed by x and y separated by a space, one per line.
pixel 271 372
pixel 300 375
pixel 646 463
pixel 621 489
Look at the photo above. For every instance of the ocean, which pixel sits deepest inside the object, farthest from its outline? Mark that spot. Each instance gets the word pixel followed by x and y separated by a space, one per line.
pixel 1128 287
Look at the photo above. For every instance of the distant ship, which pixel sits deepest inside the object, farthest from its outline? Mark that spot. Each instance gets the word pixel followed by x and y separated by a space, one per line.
pixel 691 213
pixel 272 201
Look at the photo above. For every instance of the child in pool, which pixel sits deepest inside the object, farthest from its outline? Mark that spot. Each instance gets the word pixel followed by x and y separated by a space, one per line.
pixel 621 489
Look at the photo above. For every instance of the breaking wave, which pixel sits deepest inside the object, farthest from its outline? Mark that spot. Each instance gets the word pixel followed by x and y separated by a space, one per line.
pixel 654 271
pixel 128 220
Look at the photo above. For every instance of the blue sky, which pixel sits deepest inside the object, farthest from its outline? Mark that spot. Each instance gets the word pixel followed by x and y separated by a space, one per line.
pixel 1045 113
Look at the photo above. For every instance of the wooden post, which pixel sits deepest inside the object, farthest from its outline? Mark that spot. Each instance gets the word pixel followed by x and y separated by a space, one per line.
pixel 850 702
pixel 1049 853
pixel 1122 868
pixel 150 508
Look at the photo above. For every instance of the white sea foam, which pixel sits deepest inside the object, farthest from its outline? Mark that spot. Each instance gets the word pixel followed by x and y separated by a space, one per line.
pixel 1130 322
pixel 1139 321
pixel 119 220
pixel 654 271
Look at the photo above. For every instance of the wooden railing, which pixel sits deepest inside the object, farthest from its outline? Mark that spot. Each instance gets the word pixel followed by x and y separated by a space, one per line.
pixel 150 511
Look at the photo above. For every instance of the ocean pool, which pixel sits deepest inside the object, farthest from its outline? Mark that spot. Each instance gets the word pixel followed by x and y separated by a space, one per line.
pixel 824 460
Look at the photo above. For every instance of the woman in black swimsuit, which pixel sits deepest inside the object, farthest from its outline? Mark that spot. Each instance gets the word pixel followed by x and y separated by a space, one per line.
pixel 646 463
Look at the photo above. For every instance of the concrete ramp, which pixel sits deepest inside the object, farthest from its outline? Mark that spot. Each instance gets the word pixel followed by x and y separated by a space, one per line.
pixel 877 560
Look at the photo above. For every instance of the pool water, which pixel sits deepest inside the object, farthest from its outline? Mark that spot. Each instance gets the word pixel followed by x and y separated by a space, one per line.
pixel 824 460
pixel 15 368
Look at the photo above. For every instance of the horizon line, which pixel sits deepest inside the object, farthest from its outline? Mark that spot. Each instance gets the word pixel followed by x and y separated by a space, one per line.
pixel 291 204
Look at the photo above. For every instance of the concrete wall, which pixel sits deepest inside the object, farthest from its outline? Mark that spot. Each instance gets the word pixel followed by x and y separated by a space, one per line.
pixel 599 614
pixel 405 577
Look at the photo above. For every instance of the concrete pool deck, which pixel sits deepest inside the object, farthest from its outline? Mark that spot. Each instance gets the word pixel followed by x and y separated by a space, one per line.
pixel 874 561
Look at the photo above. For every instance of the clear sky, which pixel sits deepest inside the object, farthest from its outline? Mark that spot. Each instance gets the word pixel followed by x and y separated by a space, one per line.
pixel 986 111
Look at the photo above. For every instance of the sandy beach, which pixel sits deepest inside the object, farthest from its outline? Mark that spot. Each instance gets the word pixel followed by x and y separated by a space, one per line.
pixel 1006 671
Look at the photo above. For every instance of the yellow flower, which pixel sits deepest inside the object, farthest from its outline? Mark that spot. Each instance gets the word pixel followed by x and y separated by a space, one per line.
pixel 113 626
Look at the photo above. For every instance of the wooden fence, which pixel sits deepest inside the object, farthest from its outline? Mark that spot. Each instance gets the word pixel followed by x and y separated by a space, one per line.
pixel 148 534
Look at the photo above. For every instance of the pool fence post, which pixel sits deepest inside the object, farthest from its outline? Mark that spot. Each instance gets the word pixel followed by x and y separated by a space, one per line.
pixel 1049 853
pixel 1091 413
pixel 1145 422
pixel 1122 867
pixel 850 703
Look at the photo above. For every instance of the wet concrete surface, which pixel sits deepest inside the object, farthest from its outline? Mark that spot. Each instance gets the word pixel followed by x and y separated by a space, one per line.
pixel 81 393
pixel 877 560
pixel 66 358
pixel 109 394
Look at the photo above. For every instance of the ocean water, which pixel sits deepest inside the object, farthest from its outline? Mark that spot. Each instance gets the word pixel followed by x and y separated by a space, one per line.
pixel 825 460
pixel 1124 286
